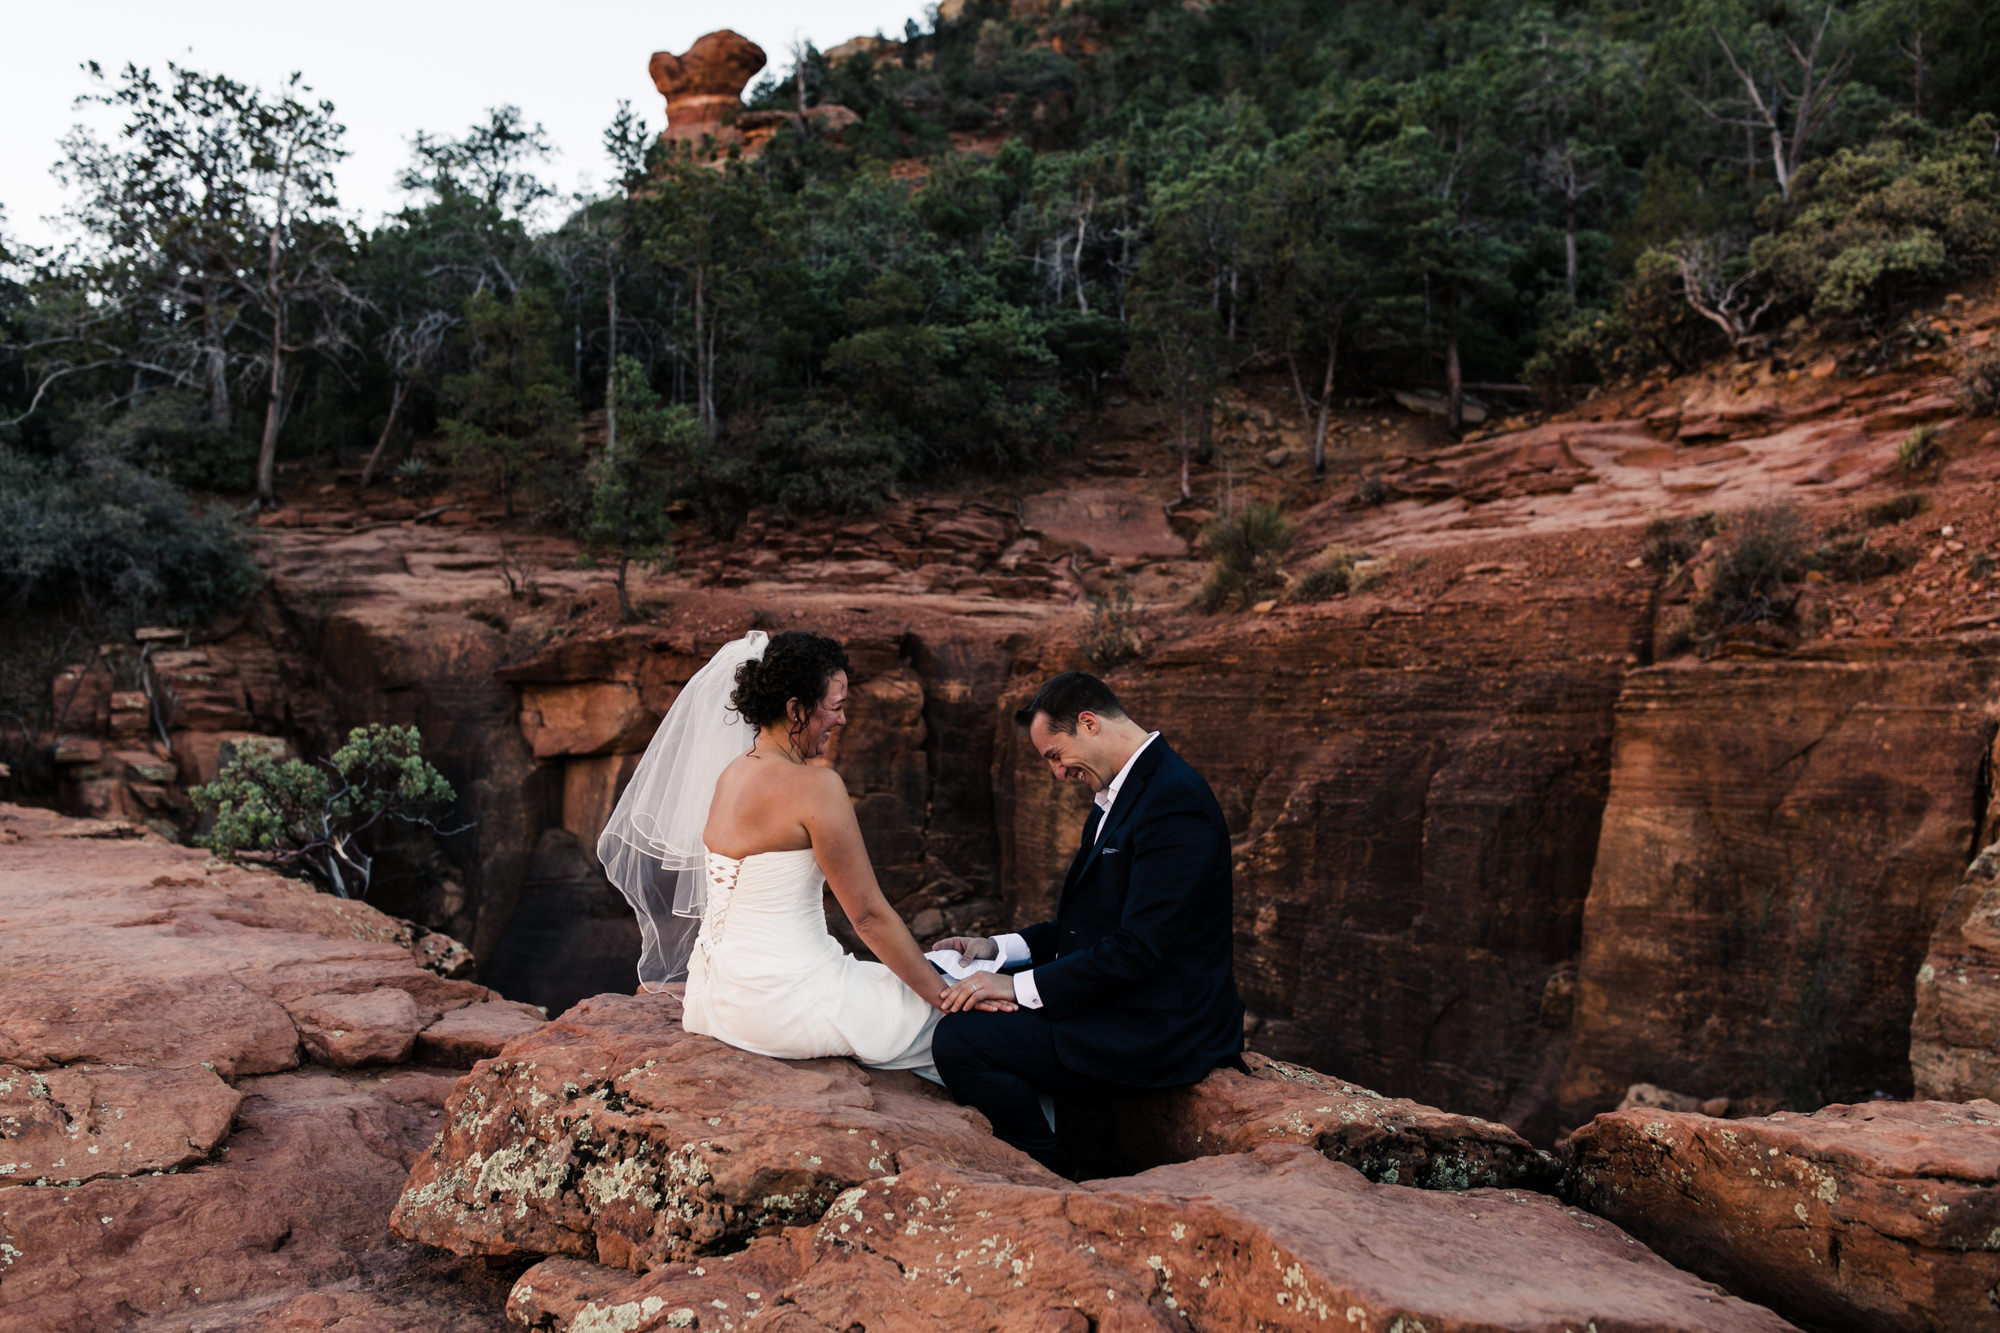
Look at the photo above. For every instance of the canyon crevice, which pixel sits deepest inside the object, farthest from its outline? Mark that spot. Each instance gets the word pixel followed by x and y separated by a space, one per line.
pixel 1487 856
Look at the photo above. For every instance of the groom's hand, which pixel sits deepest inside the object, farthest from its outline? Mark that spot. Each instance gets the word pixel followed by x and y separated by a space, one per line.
pixel 969 947
pixel 982 990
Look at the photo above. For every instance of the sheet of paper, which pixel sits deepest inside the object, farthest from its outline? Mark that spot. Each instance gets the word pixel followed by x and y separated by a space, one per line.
pixel 957 966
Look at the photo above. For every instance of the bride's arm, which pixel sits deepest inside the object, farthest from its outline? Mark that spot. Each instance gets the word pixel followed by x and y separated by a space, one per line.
pixel 837 846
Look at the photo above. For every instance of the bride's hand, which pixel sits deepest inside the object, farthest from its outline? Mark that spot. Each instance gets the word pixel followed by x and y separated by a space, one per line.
pixel 969 947
pixel 982 990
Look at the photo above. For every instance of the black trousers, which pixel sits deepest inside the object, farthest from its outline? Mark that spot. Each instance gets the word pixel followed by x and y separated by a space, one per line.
pixel 999 1064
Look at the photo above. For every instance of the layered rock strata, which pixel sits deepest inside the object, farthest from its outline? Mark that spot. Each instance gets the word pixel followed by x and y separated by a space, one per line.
pixel 1883 1216
pixel 705 83
pixel 1955 1036
pixel 166 1153
pixel 1779 841
pixel 1415 787
pixel 1276 1239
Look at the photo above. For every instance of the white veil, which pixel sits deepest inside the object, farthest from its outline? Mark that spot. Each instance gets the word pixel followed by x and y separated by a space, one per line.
pixel 651 848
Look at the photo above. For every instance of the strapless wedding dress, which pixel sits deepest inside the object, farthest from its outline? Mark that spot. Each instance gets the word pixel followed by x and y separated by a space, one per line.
pixel 767 977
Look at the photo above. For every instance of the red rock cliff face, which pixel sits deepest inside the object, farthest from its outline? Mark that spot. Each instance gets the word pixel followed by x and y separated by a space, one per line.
pixel 916 755
pixel 1780 839
pixel 1415 792
pixel 1418 784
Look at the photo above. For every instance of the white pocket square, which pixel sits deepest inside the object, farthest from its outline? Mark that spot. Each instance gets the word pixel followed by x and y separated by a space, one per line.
pixel 1110 851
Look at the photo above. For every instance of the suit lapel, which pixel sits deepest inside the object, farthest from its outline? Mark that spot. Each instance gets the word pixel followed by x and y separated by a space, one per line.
pixel 1099 829
pixel 1130 794
pixel 1082 857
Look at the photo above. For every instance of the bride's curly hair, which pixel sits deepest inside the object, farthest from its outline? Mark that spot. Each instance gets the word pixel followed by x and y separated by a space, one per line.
pixel 797 664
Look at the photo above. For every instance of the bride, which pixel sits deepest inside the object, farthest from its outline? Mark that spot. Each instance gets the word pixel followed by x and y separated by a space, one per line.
pixel 721 842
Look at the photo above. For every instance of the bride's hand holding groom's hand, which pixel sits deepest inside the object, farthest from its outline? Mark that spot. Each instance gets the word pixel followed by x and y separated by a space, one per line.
pixel 991 991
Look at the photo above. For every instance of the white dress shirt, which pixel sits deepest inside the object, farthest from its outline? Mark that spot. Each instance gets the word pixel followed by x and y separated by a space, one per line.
pixel 1014 949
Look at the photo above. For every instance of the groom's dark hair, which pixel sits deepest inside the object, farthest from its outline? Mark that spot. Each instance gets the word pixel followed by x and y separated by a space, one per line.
pixel 1063 698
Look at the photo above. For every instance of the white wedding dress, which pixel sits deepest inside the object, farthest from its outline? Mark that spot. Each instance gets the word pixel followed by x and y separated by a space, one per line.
pixel 767 977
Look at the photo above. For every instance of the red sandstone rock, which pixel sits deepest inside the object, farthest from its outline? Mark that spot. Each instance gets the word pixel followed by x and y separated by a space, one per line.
pixel 1278 1239
pixel 463 1037
pixel 1881 1216
pixel 149 953
pixel 297 1200
pixel 704 83
pixel 612 1134
pixel 1778 844
pixel 377 1027
pixel 1126 523
pixel 1392 1141
pixel 81 1122
pixel 1955 1036
pixel 1412 789
pixel 135 976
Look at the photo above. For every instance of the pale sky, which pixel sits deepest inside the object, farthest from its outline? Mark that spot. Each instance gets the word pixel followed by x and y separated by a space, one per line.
pixel 390 68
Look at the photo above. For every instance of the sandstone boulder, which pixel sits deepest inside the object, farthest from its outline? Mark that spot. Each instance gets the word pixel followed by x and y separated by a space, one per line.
pixel 1104 521
pixel 146 953
pixel 1881 1216
pixel 137 980
pixel 377 1027
pixel 1955 1036
pixel 1389 1140
pixel 612 1134
pixel 1276 1239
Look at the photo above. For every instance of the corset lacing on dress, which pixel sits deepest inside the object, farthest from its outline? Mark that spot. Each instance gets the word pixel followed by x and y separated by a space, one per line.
pixel 723 874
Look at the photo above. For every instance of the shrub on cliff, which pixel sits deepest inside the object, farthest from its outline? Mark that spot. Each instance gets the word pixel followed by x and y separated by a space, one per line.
pixel 1748 579
pixel 1112 638
pixel 1870 226
pixel 1669 543
pixel 1337 571
pixel 315 818
pixel 1246 552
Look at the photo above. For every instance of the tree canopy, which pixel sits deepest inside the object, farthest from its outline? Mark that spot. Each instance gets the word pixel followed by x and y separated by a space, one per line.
pixel 1354 195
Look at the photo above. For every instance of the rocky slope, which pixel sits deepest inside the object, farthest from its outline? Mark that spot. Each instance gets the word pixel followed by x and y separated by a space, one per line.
pixel 213 1082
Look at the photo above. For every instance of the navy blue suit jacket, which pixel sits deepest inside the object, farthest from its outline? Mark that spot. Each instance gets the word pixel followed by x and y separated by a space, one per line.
pixel 1136 973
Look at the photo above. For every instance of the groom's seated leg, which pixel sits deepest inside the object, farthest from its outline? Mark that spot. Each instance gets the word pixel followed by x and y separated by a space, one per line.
pixel 999 1064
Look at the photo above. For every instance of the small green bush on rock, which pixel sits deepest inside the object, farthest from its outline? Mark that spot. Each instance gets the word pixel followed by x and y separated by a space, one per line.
pixel 313 818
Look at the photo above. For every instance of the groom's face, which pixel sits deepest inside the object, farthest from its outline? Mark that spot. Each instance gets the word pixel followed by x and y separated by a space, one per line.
pixel 1071 754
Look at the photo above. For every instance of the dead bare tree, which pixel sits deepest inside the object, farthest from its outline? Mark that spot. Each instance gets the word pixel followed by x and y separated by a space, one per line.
pixel 294 145
pixel 413 349
pixel 1730 301
pixel 1789 114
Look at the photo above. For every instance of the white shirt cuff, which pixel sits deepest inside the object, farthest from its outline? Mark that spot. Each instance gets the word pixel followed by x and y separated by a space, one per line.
pixel 1014 949
pixel 1024 990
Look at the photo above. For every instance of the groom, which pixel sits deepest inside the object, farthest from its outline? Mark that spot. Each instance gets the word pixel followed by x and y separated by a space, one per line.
pixel 1131 986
